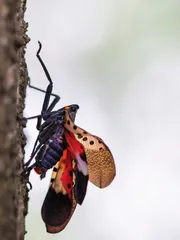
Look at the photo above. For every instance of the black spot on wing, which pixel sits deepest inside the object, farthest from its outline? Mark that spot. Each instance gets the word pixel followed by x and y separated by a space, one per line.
pixel 56 208
pixel 91 142
pixel 79 135
pixel 80 186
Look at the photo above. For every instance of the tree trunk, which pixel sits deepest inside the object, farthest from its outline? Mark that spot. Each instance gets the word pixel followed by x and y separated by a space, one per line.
pixel 13 81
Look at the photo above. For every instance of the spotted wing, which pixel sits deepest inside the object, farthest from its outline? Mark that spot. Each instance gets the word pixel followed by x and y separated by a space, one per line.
pixel 80 167
pixel 59 203
pixel 101 166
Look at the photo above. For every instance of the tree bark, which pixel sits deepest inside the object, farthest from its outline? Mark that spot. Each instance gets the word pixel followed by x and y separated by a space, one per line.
pixel 13 82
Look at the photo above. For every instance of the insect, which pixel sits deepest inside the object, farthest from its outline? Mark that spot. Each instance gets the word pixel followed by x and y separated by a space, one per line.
pixel 75 155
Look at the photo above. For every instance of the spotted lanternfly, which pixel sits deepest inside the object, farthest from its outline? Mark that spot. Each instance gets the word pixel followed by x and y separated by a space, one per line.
pixel 75 155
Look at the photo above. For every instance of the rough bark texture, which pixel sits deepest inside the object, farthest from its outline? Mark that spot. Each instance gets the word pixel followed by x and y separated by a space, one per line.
pixel 13 81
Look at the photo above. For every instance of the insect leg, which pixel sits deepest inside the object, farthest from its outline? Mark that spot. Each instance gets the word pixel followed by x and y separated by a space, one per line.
pixel 34 151
pixel 33 117
pixel 55 100
pixel 48 91
pixel 43 136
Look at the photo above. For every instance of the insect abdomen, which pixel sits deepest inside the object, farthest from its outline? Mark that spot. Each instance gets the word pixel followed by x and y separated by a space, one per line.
pixel 52 156
pixel 49 155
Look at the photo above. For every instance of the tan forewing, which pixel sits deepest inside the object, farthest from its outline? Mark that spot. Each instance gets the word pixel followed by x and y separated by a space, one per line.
pixel 100 160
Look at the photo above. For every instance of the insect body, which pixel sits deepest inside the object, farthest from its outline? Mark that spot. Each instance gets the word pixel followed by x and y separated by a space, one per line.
pixel 52 139
pixel 75 155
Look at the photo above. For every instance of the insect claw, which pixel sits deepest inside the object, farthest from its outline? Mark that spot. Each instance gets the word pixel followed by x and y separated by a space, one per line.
pixel 27 164
pixel 25 174
pixel 29 81
pixel 22 121
pixel 30 186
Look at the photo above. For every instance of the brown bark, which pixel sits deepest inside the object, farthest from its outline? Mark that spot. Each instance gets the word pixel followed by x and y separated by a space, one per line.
pixel 13 81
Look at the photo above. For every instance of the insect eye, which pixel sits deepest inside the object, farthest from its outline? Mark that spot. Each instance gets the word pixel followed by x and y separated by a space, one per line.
pixel 74 108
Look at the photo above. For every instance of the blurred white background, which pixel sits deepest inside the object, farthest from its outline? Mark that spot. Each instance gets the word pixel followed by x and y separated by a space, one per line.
pixel 120 62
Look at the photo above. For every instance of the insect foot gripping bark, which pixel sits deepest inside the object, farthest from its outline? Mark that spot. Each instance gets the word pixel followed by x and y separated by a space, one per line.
pixel 75 155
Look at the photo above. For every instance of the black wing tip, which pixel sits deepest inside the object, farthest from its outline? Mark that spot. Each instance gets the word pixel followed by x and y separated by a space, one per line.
pixel 56 208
